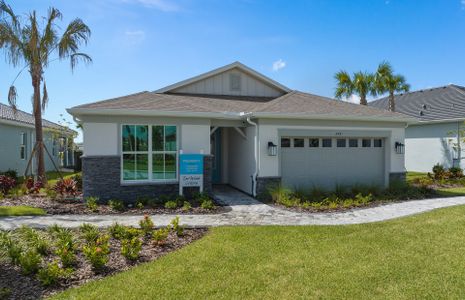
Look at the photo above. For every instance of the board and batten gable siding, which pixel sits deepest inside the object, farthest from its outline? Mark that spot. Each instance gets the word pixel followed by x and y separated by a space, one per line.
pixel 220 85
pixel 269 166
pixel 102 134
pixel 430 144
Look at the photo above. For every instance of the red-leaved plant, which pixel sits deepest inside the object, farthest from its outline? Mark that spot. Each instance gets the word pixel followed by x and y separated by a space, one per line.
pixel 6 184
pixel 33 186
pixel 66 187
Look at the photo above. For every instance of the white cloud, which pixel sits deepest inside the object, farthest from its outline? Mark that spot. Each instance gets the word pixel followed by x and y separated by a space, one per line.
pixel 134 36
pixel 278 65
pixel 163 5
pixel 353 99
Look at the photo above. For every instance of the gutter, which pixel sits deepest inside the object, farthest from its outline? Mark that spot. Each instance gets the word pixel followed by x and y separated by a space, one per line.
pixel 256 154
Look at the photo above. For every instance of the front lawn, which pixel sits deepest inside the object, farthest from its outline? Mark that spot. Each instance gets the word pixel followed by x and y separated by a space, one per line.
pixel 6 211
pixel 411 258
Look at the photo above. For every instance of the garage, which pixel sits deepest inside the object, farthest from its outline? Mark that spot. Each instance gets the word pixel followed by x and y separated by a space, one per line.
pixel 325 162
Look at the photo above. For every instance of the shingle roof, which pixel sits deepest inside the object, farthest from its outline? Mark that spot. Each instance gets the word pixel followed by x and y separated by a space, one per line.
pixel 435 104
pixel 7 113
pixel 295 102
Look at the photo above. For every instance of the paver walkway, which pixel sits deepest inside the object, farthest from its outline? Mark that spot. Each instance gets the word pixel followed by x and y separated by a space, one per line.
pixel 245 210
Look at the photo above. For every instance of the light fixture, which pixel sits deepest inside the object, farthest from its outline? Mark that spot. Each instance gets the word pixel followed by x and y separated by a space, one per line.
pixel 272 149
pixel 400 148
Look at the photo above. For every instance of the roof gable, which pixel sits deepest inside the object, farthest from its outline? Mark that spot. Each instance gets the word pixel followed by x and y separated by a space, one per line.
pixel 234 79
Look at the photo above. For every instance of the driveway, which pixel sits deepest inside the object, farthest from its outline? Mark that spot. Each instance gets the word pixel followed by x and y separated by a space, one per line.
pixel 245 210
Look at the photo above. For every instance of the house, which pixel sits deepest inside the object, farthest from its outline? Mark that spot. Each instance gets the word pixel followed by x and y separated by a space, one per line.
pixel 17 141
pixel 436 139
pixel 252 130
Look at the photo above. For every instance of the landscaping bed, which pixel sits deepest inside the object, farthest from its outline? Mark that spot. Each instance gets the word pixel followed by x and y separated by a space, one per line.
pixel 78 206
pixel 96 253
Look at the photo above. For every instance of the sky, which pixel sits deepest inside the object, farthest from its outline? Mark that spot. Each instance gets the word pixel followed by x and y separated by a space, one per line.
pixel 139 45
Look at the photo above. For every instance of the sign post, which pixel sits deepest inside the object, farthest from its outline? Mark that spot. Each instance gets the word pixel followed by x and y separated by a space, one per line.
pixel 190 171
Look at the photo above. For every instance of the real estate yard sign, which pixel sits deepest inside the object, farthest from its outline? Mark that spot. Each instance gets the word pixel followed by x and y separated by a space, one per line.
pixel 190 171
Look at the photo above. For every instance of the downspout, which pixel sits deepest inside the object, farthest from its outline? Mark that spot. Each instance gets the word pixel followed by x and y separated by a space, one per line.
pixel 255 174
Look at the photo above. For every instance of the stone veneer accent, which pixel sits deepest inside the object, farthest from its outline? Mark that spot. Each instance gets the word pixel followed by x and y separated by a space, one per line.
pixel 101 177
pixel 263 183
pixel 398 176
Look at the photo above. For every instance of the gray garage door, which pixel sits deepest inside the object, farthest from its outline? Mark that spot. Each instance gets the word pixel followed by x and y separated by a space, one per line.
pixel 327 162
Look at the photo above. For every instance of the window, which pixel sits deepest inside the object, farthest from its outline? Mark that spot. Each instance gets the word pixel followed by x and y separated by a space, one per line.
pixel 366 143
pixel 149 152
pixel 341 143
pixel 314 143
pixel 298 143
pixel 235 82
pixel 377 143
pixel 22 145
pixel 285 142
pixel 327 143
pixel 353 143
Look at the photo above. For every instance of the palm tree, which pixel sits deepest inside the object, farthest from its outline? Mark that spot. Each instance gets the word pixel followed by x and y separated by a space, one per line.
pixel 361 84
pixel 31 45
pixel 388 82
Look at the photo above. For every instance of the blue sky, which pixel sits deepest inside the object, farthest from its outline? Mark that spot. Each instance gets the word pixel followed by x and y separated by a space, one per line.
pixel 146 44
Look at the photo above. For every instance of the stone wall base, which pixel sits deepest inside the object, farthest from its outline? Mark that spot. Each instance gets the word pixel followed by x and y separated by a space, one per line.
pixel 398 176
pixel 101 177
pixel 264 183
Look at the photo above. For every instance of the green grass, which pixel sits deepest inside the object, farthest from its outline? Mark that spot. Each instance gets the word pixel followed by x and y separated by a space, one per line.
pixel 6 211
pixel 412 176
pixel 445 192
pixel 410 258
pixel 54 176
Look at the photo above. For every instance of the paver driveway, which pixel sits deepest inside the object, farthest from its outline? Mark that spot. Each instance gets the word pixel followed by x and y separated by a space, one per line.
pixel 245 210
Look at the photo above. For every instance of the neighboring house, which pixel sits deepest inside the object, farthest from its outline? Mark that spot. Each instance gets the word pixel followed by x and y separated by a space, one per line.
pixel 18 139
pixel 253 131
pixel 436 138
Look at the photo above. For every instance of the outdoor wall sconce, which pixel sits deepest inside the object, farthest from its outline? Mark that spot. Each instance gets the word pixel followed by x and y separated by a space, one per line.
pixel 272 149
pixel 400 148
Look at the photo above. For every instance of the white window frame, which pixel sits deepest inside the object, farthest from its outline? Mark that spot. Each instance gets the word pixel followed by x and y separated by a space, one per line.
pixel 150 153
pixel 22 146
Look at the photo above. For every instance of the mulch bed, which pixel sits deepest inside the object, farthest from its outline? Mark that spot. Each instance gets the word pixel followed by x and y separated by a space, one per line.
pixel 25 287
pixel 78 207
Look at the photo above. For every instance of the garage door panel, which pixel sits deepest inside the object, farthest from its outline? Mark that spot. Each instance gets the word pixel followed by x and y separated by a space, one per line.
pixel 326 167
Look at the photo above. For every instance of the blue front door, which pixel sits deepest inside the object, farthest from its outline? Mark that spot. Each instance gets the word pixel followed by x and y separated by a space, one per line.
pixel 216 151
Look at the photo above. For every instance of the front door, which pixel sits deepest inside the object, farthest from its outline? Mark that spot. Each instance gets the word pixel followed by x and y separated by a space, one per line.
pixel 216 152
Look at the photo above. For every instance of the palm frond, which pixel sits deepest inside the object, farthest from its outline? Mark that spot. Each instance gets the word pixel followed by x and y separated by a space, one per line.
pixel 76 33
pixel 44 97
pixel 344 86
pixel 76 57
pixel 49 38
pixel 12 96
pixel 10 34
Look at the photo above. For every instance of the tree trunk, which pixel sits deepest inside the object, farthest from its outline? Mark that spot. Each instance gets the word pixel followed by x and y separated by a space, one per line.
pixel 363 100
pixel 37 110
pixel 392 102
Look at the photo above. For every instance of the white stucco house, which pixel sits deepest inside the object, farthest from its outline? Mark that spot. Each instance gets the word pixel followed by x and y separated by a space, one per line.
pixel 17 139
pixel 252 130
pixel 438 137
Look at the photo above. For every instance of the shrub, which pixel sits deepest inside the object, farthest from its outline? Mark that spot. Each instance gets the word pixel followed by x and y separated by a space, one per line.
pixel 65 245
pixel 180 200
pixel 171 204
pixel 33 186
pixel 439 171
pixel 5 293
pixel 121 232
pixel 456 172
pixel 146 224
pixel 97 253
pixel 9 247
pixel 142 202
pixel 51 193
pixel 159 236
pixel 6 184
pixel 207 204
pixel 363 200
pixel 34 240
pixel 186 206
pixel 29 262
pixel 10 173
pixel 89 232
pixel 66 187
pixel 51 273
pixel 279 193
pixel 425 182
pixel 92 203
pixel 78 179
pixel 164 198
pixel 130 248
pixel 177 228
pixel 116 205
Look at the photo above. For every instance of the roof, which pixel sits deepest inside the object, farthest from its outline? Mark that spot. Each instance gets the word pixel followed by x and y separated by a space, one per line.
pixel 7 113
pixel 292 104
pixel 430 105
pixel 214 72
